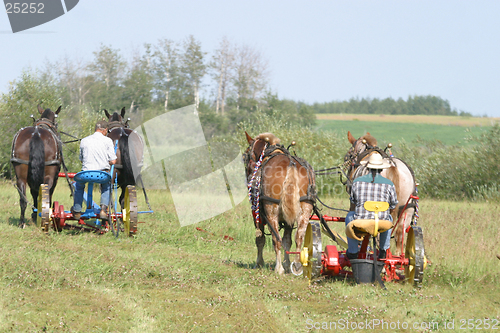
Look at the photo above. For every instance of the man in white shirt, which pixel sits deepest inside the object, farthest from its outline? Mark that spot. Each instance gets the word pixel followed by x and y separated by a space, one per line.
pixel 96 153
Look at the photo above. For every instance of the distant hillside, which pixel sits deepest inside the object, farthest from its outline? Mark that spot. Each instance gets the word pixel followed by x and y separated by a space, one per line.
pixel 424 105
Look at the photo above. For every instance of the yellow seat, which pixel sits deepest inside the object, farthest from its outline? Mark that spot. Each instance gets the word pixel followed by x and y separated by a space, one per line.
pixel 357 229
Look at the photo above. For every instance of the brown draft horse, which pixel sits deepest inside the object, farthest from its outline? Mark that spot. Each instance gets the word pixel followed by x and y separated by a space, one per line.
pixel 36 157
pixel 287 194
pixel 399 173
pixel 129 153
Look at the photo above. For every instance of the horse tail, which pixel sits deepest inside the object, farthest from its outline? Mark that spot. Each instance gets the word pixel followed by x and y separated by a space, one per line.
pixel 393 176
pixel 127 171
pixel 36 163
pixel 290 196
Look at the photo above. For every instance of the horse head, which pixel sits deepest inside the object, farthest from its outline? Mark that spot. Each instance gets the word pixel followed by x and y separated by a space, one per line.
pixel 359 145
pixel 116 119
pixel 48 114
pixel 255 149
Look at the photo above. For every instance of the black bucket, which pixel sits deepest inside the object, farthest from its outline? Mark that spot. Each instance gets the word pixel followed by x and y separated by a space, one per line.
pixel 363 272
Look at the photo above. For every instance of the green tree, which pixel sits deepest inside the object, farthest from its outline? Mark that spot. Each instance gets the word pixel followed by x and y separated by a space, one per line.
pixel 163 61
pixel 192 69
pixel 138 84
pixel 222 72
pixel 250 76
pixel 108 70
pixel 16 106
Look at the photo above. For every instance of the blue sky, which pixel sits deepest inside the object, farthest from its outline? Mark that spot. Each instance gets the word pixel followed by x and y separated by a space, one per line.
pixel 317 51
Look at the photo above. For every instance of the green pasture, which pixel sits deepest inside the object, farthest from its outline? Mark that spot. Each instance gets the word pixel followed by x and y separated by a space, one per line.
pixel 412 133
pixel 181 279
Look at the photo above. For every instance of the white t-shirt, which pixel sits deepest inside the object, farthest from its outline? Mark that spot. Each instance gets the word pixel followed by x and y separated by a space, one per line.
pixel 96 151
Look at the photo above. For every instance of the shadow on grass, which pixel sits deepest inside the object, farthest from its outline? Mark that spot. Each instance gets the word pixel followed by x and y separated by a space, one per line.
pixel 16 222
pixel 248 265
pixel 326 280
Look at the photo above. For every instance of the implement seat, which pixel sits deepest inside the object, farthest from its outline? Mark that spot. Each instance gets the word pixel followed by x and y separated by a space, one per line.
pixel 93 176
pixel 358 229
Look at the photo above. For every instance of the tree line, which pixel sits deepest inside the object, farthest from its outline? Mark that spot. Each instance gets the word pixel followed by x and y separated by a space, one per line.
pixel 422 105
pixel 229 86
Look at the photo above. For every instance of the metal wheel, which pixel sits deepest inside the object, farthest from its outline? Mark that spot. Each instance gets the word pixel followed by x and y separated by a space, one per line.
pixel 414 251
pixel 130 211
pixel 43 208
pixel 311 253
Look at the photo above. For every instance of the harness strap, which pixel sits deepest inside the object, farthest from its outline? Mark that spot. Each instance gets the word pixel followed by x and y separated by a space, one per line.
pixel 115 124
pixel 47 163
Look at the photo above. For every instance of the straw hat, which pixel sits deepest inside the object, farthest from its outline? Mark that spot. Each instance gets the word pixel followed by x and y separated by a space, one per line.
pixel 376 161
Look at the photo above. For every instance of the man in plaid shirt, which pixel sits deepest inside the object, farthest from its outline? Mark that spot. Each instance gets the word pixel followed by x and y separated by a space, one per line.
pixel 371 187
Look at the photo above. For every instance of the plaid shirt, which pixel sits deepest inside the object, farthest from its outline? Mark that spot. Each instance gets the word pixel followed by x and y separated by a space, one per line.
pixel 381 190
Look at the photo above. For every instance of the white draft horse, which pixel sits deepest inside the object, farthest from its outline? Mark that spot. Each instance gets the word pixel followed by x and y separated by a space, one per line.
pixel 284 187
pixel 400 174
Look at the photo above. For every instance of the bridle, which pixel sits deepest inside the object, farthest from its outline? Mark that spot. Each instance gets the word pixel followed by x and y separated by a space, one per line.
pixel 250 157
pixel 352 157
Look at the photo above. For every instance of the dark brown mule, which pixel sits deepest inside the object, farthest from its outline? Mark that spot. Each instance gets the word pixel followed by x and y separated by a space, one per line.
pixel 129 153
pixel 399 173
pixel 287 194
pixel 36 157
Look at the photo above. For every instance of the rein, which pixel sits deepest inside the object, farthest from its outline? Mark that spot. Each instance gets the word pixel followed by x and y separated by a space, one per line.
pixel 71 136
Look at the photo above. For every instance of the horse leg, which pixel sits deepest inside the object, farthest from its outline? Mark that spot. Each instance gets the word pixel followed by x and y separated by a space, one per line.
pixel 21 185
pixel 398 233
pixel 260 241
pixel 303 221
pixel 272 213
pixel 287 244
pixel 121 200
pixel 34 195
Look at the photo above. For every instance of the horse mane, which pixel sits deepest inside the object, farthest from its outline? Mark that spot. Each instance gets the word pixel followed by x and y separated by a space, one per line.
pixel 269 138
pixel 369 139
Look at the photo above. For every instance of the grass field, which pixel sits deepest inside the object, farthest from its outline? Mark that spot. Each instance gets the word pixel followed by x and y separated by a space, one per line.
pixel 417 119
pixel 173 279
pixel 411 129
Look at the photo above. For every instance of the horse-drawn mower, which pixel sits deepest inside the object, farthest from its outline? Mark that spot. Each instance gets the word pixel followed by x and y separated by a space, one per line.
pixel 409 266
pixel 125 221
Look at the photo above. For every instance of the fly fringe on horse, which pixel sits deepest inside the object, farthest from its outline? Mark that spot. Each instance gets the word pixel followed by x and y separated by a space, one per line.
pixel 290 196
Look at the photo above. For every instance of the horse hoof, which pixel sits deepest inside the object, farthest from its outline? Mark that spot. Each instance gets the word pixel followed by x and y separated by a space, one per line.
pixel 22 226
pixel 296 268
pixel 279 270
pixel 258 265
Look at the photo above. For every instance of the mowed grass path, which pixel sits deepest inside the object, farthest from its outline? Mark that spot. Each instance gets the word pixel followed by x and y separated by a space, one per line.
pixel 411 129
pixel 173 279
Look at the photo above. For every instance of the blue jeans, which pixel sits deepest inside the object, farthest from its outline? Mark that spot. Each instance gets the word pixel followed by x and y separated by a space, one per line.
pixel 353 245
pixel 78 196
